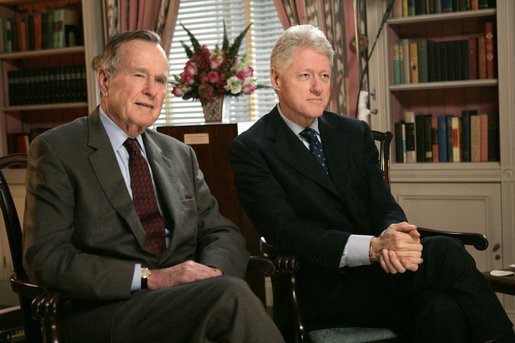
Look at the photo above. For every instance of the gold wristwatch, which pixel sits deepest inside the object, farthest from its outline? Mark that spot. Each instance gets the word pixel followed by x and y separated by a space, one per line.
pixel 145 274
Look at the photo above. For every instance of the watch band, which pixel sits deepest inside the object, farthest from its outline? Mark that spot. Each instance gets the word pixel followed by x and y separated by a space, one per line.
pixel 145 273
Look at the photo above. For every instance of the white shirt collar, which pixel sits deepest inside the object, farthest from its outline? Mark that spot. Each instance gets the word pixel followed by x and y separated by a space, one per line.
pixel 296 128
pixel 116 135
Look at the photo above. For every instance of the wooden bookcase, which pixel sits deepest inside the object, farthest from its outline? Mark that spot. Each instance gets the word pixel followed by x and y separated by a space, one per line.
pixel 23 118
pixel 461 196
pixel 65 68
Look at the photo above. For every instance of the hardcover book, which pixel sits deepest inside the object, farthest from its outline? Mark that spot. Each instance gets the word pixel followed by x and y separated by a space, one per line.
pixel 411 152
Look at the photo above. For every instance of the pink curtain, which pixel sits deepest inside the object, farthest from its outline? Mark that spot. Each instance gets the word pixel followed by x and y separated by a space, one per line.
pixel 128 15
pixel 336 19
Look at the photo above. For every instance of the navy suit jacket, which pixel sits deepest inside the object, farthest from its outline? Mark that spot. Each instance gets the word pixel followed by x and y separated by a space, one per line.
pixel 295 205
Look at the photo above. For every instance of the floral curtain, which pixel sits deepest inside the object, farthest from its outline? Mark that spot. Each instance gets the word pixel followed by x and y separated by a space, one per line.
pixel 128 15
pixel 336 19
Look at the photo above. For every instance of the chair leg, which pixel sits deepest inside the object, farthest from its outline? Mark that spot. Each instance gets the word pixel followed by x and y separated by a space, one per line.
pixel 32 329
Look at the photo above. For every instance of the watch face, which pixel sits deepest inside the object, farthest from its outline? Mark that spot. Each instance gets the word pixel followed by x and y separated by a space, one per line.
pixel 145 273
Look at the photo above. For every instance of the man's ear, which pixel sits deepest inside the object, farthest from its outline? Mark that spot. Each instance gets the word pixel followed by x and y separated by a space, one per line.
pixel 103 81
pixel 274 78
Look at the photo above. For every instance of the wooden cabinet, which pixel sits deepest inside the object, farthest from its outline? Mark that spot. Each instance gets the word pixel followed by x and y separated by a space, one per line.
pixel 44 85
pixel 211 143
pixel 462 196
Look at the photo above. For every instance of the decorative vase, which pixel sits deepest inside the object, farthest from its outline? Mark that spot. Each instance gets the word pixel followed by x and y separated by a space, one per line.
pixel 213 110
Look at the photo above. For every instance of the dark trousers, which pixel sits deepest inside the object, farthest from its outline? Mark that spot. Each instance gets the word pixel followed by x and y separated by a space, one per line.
pixel 213 310
pixel 446 300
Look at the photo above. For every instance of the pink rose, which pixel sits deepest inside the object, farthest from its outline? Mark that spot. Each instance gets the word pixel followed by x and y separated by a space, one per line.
pixel 187 78
pixel 216 61
pixel 190 68
pixel 244 73
pixel 213 76
pixel 177 91
pixel 248 89
pixel 203 78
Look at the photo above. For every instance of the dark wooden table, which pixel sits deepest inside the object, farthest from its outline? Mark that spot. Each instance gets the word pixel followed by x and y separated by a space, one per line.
pixel 502 284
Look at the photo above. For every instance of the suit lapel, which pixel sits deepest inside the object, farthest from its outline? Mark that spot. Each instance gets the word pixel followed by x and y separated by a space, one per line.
pixel 111 180
pixel 336 146
pixel 291 150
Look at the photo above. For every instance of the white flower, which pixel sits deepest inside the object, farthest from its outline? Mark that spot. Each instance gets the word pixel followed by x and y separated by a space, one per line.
pixel 233 85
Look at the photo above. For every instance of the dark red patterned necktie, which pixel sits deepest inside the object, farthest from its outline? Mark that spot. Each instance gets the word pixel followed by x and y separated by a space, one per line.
pixel 144 198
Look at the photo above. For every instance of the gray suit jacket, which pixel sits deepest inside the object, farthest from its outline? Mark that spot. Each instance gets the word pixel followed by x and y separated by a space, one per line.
pixel 82 234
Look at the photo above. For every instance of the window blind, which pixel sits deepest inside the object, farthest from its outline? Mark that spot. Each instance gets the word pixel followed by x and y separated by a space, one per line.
pixel 204 18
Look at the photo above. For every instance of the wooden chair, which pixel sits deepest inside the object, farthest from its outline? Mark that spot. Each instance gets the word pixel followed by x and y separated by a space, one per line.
pixel 287 266
pixel 40 306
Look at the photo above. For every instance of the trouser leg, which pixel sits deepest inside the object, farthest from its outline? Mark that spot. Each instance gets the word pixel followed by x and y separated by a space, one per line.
pixel 450 270
pixel 220 309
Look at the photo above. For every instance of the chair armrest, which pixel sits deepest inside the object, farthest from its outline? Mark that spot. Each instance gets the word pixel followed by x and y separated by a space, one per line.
pixel 261 264
pixel 284 263
pixel 21 285
pixel 479 241
pixel 44 305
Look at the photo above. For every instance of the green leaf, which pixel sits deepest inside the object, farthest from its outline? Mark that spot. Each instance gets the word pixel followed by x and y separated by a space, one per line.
pixel 225 43
pixel 233 50
pixel 194 42
pixel 187 49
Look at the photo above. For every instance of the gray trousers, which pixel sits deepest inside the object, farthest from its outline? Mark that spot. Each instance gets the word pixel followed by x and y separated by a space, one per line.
pixel 220 309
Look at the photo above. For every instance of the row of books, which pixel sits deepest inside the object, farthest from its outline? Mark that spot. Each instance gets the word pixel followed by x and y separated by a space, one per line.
pixel 56 28
pixel 48 85
pixel 425 60
pixel 406 8
pixel 471 137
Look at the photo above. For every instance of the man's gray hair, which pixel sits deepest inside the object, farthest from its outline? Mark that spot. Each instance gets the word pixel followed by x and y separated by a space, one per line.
pixel 295 37
pixel 111 56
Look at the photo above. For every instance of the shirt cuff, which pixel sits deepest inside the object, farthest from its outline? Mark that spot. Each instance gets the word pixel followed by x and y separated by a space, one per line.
pixel 136 279
pixel 356 251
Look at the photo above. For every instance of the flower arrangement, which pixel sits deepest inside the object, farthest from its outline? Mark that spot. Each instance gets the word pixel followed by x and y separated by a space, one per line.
pixel 208 74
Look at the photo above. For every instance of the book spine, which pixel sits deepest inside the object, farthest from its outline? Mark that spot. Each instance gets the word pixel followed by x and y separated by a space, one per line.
pixel 411 152
pixel 428 137
pixel 397 64
pixel 475 138
pixel 490 51
pixel 484 136
pixel 434 139
pixel 456 139
pixel 406 60
pixel 450 150
pixel 420 7
pixel 420 141
pixel 399 153
pixel 473 62
pixel 465 135
pixel 413 56
pixel 481 58
pixel 442 138
pixel 422 60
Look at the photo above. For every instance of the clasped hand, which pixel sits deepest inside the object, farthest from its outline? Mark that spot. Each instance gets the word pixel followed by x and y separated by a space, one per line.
pixel 397 249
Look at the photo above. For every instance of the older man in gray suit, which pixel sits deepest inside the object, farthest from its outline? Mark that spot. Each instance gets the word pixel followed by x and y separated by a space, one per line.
pixel 86 231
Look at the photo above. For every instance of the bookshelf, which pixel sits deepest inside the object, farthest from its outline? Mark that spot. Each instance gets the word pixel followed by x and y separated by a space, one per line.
pixel 21 118
pixel 47 79
pixel 474 196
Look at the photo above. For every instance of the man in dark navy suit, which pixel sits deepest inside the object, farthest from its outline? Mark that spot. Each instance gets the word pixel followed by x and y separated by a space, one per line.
pixel 310 182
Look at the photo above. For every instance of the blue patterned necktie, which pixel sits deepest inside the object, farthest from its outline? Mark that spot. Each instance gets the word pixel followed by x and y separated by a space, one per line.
pixel 316 147
pixel 145 199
